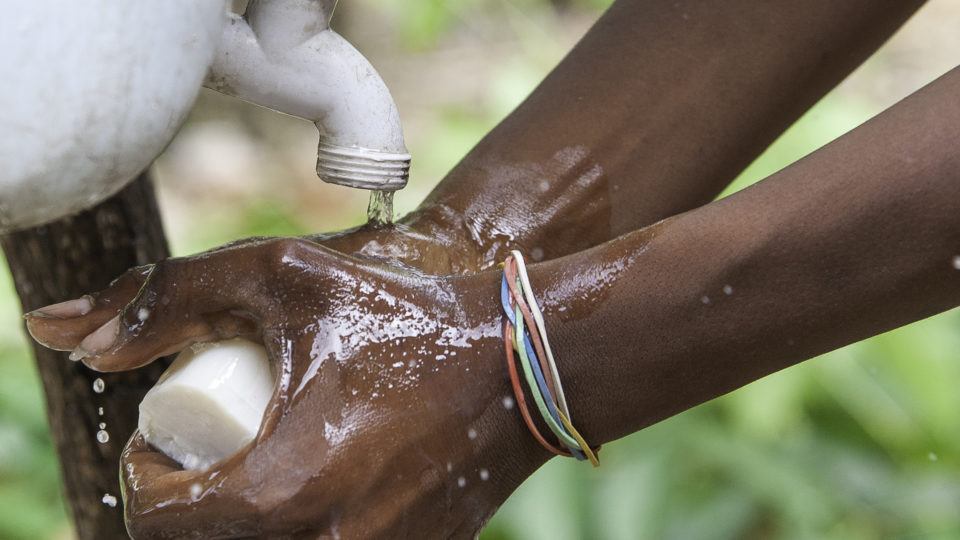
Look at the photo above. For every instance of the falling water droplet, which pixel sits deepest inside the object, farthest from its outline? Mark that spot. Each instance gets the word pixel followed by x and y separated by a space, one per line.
pixel 727 290
pixel 100 411
pixel 484 475
pixel 472 434
pixel 461 481
pixel 99 386
pixel 705 299
pixel 932 456
pixel 109 500
pixel 508 402
pixel 103 437
pixel 103 425
pixel 956 262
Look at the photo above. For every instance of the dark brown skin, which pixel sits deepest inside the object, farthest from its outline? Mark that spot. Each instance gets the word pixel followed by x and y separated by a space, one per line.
pixel 653 113
pixel 354 446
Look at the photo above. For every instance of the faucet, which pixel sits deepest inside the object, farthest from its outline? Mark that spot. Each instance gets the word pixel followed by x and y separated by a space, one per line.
pixel 282 54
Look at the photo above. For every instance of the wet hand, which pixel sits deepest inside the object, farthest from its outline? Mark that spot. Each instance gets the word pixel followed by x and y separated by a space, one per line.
pixel 389 417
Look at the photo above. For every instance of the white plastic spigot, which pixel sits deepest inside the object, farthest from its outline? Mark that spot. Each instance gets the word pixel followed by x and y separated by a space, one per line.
pixel 282 54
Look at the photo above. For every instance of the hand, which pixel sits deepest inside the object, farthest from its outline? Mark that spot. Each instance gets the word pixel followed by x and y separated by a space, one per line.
pixel 434 240
pixel 388 418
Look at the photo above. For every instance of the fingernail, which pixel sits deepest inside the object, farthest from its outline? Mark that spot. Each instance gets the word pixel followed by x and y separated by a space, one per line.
pixel 64 310
pixel 99 341
pixel 78 354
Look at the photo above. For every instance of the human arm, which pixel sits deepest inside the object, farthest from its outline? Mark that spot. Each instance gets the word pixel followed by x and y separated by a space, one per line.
pixel 858 238
pixel 653 113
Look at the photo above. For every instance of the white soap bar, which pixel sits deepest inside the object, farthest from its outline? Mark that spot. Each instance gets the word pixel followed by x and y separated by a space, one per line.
pixel 209 403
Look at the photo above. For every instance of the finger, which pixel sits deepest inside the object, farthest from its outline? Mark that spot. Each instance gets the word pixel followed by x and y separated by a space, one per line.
pixel 62 326
pixel 213 296
pixel 159 496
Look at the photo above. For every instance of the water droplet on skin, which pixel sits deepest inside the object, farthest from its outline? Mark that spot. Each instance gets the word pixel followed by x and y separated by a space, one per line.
pixel 932 456
pixel 508 402
pixel 109 500
pixel 705 299
pixel 99 386
pixel 727 290
pixel 143 314
pixel 103 437
pixel 956 262
pixel 484 475
pixel 461 481
pixel 472 434
pixel 195 491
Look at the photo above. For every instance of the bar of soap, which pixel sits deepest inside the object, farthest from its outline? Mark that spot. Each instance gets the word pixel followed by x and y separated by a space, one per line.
pixel 209 403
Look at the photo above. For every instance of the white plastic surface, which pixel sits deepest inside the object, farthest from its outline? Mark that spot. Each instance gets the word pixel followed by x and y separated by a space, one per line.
pixel 90 93
pixel 209 404
pixel 283 55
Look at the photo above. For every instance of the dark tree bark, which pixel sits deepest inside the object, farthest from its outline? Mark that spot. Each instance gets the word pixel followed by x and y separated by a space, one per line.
pixel 64 260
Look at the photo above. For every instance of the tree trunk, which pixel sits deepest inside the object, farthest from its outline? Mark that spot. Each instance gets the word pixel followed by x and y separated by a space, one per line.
pixel 60 261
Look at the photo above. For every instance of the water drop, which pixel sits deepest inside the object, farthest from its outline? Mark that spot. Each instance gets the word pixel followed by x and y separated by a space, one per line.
pixel 484 475
pixel 103 437
pixel 536 254
pixel 461 481
pixel 472 434
pixel 109 500
pixel 143 313
pixel 508 402
pixel 449 466
pixel 103 425
pixel 932 456
pixel 956 262
pixel 100 411
pixel 727 290
pixel 705 299
pixel 398 364
pixel 544 186
pixel 99 386
pixel 195 491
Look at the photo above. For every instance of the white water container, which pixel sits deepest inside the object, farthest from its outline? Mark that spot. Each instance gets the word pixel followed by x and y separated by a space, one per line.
pixel 91 93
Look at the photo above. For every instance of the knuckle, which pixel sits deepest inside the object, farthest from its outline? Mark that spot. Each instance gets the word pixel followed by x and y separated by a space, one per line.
pixel 287 248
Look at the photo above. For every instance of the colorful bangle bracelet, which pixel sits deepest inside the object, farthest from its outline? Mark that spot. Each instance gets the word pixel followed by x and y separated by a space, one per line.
pixel 525 334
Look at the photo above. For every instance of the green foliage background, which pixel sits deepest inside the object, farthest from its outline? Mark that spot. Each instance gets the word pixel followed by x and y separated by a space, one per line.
pixel 860 443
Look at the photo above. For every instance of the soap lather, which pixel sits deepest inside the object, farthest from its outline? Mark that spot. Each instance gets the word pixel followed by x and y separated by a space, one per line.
pixel 209 403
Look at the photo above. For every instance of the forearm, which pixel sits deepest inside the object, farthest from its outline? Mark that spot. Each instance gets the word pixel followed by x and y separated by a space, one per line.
pixel 856 239
pixel 658 108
